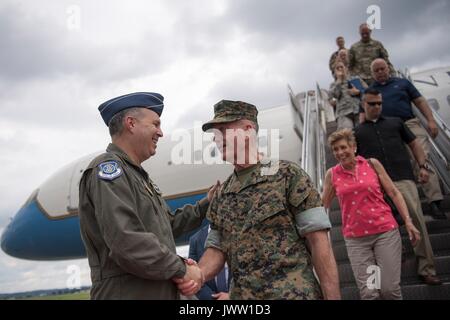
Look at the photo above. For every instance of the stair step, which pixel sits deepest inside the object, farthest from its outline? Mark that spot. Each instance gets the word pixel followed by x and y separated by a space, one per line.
pixel 409 292
pixel 426 292
pixel 409 271
pixel 440 243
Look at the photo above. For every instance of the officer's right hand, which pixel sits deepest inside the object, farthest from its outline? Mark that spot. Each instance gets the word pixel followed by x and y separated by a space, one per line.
pixel 192 281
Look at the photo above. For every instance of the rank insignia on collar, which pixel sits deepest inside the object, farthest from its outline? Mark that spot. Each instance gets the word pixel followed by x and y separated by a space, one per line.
pixel 109 170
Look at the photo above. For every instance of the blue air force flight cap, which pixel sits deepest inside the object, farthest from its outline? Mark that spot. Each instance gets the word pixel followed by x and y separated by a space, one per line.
pixel 150 100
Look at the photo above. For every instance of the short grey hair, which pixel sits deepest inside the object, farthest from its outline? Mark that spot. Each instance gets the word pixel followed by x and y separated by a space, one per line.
pixel 116 123
pixel 376 61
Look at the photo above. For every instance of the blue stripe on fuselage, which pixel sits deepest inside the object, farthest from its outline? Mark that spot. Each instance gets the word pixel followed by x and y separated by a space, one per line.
pixel 32 235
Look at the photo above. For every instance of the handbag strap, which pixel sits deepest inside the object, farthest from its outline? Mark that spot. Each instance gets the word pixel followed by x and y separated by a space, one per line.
pixel 378 176
pixel 386 197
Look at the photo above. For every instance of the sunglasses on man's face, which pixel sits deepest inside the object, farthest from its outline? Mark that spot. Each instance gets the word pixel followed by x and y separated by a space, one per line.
pixel 375 103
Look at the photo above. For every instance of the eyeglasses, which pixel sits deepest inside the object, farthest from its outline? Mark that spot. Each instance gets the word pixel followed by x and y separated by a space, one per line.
pixel 375 103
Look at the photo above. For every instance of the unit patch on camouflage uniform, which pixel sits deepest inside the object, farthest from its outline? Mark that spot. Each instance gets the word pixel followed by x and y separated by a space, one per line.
pixel 109 170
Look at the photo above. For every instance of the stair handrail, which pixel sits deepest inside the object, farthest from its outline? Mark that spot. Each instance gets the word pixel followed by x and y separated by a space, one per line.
pixel 311 114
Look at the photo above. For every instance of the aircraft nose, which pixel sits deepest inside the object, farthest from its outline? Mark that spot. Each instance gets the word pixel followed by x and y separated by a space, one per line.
pixel 13 241
pixel 5 241
pixel 33 235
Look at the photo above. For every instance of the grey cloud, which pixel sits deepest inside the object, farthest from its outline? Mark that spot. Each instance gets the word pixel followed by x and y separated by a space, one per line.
pixel 48 67
pixel 200 34
pixel 293 19
pixel 57 104
pixel 264 95
pixel 272 25
pixel 188 119
pixel 36 48
pixel 21 275
pixel 5 218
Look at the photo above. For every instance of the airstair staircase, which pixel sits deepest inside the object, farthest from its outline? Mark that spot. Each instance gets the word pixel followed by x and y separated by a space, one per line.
pixel 315 122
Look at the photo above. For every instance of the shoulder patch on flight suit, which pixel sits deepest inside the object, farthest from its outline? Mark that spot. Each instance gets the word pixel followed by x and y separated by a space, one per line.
pixel 109 170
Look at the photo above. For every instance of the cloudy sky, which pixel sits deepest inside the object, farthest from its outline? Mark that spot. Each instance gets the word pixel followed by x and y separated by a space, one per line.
pixel 60 59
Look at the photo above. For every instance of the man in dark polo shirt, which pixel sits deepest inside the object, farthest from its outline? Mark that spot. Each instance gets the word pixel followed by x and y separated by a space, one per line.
pixel 384 139
pixel 398 94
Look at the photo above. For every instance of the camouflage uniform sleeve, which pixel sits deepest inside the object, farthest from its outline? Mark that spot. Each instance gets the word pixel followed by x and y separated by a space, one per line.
pixel 133 248
pixel 305 203
pixel 351 61
pixel 336 90
pixel 189 217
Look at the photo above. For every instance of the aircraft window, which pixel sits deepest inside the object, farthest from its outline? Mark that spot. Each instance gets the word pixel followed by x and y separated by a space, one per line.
pixel 434 104
pixel 448 100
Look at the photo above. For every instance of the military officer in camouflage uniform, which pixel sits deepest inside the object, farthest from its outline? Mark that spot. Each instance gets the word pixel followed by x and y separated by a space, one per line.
pixel 261 220
pixel 363 52
pixel 126 226
pixel 340 42
pixel 347 97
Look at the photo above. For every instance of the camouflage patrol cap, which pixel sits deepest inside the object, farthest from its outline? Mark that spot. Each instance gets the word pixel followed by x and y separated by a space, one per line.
pixel 229 111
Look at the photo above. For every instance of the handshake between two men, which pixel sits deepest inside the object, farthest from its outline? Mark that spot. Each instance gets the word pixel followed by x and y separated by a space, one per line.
pixel 193 280
pixel 212 262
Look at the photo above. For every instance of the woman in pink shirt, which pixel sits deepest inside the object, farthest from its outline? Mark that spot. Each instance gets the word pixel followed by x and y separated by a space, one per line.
pixel 370 231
